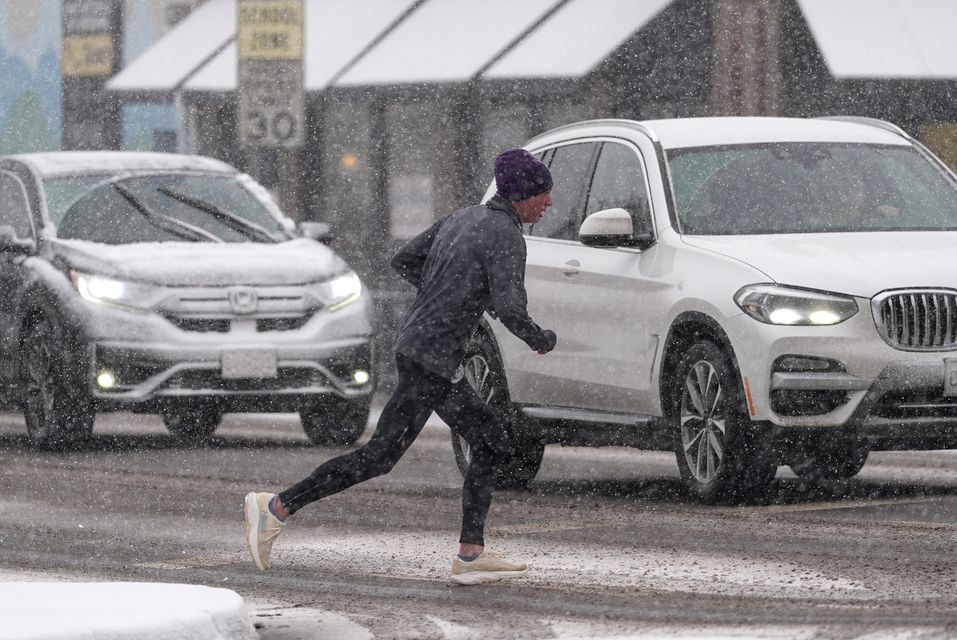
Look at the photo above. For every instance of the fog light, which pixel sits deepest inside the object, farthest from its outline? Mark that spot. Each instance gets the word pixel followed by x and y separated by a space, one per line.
pixel 106 380
pixel 360 377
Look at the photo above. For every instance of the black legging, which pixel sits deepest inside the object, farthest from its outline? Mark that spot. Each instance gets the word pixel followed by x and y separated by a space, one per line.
pixel 419 392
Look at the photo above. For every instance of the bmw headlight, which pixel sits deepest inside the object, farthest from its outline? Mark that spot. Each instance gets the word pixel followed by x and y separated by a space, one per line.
pixel 777 304
pixel 101 289
pixel 340 290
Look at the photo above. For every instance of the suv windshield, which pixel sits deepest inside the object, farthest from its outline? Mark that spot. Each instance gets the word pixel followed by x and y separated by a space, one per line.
pixel 810 188
pixel 159 208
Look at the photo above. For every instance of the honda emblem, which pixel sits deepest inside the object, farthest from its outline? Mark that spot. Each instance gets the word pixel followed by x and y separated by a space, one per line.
pixel 243 300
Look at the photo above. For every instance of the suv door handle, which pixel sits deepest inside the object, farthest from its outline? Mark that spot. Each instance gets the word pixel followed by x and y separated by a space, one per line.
pixel 571 268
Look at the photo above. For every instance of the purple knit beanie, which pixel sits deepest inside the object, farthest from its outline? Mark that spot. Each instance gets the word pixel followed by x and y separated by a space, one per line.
pixel 519 175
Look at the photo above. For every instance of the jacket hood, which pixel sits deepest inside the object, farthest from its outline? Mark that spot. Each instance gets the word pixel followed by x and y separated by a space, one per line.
pixel 859 264
pixel 204 263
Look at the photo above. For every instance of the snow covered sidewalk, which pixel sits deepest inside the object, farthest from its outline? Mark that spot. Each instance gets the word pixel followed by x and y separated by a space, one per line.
pixel 120 611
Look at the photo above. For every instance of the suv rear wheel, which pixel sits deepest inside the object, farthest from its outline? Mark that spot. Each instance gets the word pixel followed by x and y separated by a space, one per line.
pixel 483 372
pixel 335 421
pixel 58 411
pixel 192 422
pixel 722 455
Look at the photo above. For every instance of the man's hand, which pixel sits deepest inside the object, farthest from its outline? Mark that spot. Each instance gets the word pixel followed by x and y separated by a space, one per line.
pixel 550 340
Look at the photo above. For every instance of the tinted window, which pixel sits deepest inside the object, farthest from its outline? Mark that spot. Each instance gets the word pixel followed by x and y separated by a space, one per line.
pixel 14 210
pixel 569 167
pixel 170 207
pixel 810 188
pixel 619 181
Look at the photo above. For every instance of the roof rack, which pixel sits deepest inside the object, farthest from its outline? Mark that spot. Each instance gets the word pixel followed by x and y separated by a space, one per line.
pixel 871 122
pixel 634 124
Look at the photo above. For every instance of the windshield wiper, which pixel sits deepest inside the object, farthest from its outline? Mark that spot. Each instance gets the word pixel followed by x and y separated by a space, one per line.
pixel 236 223
pixel 166 223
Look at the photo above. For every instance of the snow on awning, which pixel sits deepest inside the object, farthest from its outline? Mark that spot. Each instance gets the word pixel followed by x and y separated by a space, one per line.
pixel 219 74
pixel 446 41
pixel 887 39
pixel 162 68
pixel 200 54
pixel 576 39
pixel 337 31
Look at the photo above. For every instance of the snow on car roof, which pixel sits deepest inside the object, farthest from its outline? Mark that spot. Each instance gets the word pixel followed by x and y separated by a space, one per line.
pixel 60 163
pixel 679 133
pixel 706 132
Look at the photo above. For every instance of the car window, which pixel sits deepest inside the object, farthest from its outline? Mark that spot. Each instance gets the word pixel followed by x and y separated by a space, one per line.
pixel 619 181
pixel 170 207
pixel 569 166
pixel 14 210
pixel 810 188
pixel 60 193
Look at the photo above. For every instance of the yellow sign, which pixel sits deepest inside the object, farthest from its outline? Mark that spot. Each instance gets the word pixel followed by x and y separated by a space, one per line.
pixel 270 29
pixel 88 55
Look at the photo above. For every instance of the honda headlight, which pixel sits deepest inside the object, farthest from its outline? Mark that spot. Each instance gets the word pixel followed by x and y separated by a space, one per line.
pixel 130 295
pixel 341 290
pixel 776 304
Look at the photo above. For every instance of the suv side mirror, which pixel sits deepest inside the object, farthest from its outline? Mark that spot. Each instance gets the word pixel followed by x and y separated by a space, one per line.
pixel 608 228
pixel 10 243
pixel 319 231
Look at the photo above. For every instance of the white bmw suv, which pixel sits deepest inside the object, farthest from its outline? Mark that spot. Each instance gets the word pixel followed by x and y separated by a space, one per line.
pixel 748 292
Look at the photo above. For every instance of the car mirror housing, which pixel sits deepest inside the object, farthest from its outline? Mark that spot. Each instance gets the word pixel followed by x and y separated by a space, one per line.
pixel 608 228
pixel 319 231
pixel 10 243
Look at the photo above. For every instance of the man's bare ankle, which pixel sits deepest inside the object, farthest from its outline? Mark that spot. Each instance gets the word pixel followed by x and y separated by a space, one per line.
pixel 278 509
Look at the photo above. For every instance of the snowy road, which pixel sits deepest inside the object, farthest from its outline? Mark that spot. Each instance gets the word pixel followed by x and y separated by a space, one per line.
pixel 615 551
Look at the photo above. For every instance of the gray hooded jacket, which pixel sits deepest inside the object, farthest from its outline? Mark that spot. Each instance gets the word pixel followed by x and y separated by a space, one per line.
pixel 469 262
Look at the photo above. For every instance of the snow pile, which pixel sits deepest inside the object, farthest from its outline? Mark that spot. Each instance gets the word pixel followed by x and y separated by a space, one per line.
pixel 121 610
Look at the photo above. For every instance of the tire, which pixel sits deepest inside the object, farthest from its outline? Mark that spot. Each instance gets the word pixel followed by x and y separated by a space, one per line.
pixel 722 455
pixel 193 422
pixel 483 371
pixel 831 458
pixel 57 407
pixel 335 421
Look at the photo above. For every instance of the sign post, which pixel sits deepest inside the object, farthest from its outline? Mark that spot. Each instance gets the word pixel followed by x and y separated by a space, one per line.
pixel 271 95
pixel 91 54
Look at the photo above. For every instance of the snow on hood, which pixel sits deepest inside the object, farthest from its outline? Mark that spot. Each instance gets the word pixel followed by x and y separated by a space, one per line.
pixel 205 263
pixel 860 264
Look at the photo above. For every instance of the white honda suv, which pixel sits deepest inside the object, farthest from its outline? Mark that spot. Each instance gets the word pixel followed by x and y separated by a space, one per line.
pixel 748 292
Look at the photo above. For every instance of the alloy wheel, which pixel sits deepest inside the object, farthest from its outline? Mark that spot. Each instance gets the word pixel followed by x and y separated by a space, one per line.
pixel 703 421
pixel 479 375
pixel 38 394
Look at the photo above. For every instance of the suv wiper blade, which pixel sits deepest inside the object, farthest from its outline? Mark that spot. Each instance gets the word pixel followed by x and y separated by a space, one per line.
pixel 236 223
pixel 164 222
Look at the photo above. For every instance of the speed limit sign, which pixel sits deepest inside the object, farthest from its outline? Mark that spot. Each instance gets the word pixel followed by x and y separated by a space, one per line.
pixel 271 97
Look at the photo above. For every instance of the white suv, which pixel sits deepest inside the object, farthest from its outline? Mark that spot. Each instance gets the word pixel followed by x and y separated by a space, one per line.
pixel 748 292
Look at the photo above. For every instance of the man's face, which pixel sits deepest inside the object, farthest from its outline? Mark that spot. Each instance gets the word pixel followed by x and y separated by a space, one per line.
pixel 532 209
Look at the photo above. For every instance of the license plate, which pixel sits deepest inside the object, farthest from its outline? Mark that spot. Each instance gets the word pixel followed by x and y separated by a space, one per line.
pixel 950 377
pixel 249 363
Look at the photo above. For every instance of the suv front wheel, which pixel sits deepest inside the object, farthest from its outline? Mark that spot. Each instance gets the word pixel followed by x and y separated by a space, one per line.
pixel 722 455
pixel 58 411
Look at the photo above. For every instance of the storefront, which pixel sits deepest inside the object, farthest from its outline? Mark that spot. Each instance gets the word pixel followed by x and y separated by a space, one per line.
pixel 409 101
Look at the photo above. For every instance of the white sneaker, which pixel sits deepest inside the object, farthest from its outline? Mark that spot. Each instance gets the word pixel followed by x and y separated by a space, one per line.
pixel 488 567
pixel 262 527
